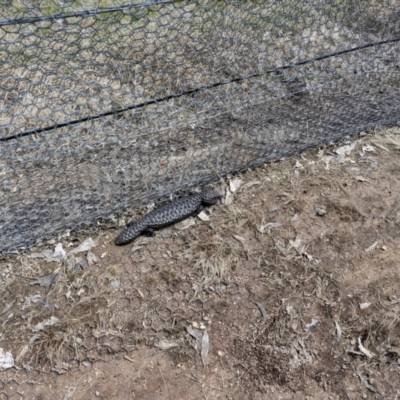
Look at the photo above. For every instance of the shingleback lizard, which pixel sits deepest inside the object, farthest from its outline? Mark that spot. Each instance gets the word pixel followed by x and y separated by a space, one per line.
pixel 168 214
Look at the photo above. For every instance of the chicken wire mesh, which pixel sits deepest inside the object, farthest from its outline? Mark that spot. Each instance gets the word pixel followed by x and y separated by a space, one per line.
pixel 108 108
pixel 103 109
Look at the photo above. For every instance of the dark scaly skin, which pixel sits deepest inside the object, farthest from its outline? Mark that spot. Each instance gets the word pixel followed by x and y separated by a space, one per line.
pixel 168 214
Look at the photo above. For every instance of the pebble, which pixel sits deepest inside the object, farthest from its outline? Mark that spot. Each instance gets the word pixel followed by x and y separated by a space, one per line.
pixel 115 283
pixel 320 211
pixel 166 233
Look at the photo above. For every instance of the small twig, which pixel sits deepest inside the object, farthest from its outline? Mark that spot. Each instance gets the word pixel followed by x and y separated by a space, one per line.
pixel 244 373
pixel 204 383
pixel 166 390
pixel 341 187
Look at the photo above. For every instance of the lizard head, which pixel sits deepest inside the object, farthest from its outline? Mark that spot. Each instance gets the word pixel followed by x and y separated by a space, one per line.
pixel 210 197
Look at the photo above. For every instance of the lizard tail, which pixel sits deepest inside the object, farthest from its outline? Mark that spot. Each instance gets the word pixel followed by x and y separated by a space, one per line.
pixel 132 231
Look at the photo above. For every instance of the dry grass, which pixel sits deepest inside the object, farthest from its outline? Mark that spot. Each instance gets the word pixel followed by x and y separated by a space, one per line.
pixel 298 272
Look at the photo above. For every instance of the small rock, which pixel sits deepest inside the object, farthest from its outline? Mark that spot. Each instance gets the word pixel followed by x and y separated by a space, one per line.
pixel 115 283
pixel 320 211
pixel 273 209
pixel 195 325
pixel 166 233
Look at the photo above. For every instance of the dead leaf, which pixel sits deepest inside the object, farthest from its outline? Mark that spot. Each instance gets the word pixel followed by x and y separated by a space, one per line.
pixel 92 258
pixel 203 216
pixel 363 306
pixel 361 179
pixel 196 334
pixel 298 165
pixel 296 243
pixel 187 223
pixel 239 238
pixel 70 392
pixel 7 307
pixel 53 256
pixel 338 331
pixel 48 322
pixel 234 184
pixel 61 368
pixel 365 351
pixel 203 341
pixel 367 148
pixel 346 150
pixel 229 196
pixel 327 160
pixel 85 246
pixel 166 345
pixel 6 360
pixel 310 327
pixel 205 347
pixel 59 252
pixel 309 256
pixel 135 248
pixel 46 281
pixel 364 380
pixel 34 338
pixel 263 311
pixel 267 227
pixel 46 304
pixel 249 185
pixel 281 248
pixel 372 247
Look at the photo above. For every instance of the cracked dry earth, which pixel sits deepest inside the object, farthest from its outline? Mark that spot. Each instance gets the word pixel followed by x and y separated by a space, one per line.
pixel 311 306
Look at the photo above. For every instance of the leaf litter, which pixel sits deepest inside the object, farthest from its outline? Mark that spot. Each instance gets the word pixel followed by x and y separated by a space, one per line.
pixel 203 341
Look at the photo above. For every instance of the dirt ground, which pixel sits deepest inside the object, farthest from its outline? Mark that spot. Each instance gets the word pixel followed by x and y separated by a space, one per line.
pixel 292 290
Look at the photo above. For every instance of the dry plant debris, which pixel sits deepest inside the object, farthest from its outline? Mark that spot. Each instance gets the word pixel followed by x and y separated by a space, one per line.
pixel 291 304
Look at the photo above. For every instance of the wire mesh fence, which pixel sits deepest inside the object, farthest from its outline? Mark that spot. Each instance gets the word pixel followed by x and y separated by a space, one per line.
pixel 105 108
pixel 109 108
